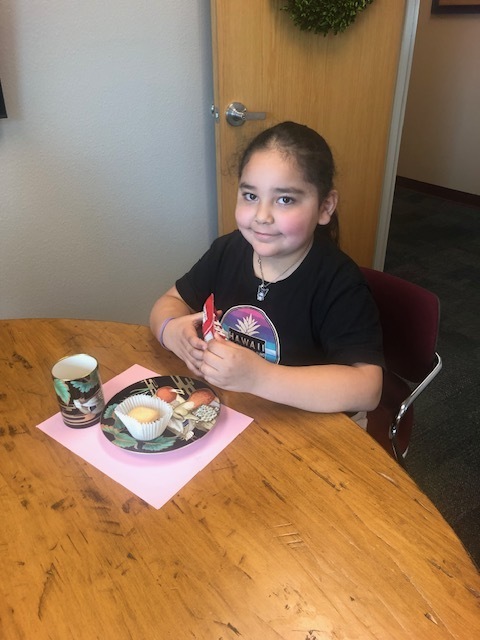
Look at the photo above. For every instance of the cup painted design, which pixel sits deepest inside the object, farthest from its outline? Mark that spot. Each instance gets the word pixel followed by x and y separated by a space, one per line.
pixel 79 390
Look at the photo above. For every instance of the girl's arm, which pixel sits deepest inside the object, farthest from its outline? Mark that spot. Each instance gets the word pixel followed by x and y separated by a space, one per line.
pixel 175 326
pixel 326 388
pixel 322 388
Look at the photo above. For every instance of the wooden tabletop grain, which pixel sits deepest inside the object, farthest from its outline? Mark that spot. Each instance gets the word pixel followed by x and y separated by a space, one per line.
pixel 302 528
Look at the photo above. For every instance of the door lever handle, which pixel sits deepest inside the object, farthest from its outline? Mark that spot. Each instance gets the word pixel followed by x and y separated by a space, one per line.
pixel 237 114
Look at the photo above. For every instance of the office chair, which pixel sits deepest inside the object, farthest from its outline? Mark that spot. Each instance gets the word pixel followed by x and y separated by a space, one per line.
pixel 409 315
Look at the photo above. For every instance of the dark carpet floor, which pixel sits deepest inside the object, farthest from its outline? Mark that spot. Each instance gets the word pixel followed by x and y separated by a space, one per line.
pixel 436 244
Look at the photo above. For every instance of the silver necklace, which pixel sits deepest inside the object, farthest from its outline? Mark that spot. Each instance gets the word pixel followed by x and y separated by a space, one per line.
pixel 263 287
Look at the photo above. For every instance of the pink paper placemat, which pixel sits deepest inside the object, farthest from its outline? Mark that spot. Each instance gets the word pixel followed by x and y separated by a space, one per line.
pixel 154 478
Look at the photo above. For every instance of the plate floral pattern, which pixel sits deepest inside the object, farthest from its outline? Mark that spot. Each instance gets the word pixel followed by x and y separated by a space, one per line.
pixel 195 411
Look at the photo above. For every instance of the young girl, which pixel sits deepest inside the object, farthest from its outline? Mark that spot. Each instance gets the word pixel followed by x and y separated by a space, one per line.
pixel 301 325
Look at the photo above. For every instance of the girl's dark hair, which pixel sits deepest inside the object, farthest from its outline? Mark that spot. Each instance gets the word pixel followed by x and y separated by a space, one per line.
pixel 311 152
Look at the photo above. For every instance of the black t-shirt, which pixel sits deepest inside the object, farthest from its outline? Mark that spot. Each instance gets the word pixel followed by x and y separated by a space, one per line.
pixel 323 313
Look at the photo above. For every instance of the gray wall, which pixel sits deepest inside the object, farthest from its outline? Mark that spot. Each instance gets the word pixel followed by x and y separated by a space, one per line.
pixel 107 166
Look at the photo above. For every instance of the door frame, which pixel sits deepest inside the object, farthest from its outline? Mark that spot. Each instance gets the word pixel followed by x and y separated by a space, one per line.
pixel 412 8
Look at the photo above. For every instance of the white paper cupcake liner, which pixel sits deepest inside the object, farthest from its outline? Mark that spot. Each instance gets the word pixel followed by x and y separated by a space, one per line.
pixel 144 430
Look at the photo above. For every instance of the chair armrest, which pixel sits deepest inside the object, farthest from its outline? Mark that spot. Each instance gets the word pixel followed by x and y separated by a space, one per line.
pixel 409 401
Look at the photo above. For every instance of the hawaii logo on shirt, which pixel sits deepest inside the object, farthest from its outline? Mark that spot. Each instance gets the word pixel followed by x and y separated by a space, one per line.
pixel 250 327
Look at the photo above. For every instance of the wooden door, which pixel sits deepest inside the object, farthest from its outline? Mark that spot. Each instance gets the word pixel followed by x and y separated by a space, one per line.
pixel 343 86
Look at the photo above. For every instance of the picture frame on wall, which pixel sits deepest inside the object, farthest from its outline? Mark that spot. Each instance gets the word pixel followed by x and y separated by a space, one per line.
pixel 455 6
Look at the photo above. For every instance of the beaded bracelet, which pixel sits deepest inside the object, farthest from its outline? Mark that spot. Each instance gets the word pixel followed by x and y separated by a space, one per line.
pixel 160 333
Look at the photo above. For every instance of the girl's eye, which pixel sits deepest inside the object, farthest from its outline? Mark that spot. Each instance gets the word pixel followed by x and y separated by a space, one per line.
pixel 286 200
pixel 250 197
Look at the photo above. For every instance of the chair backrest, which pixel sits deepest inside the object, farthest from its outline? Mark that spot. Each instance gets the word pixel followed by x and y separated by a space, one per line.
pixel 409 315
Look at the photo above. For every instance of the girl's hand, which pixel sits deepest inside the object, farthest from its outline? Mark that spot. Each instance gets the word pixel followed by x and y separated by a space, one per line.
pixel 181 336
pixel 231 367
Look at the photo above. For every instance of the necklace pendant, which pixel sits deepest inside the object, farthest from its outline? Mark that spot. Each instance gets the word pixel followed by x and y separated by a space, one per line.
pixel 262 292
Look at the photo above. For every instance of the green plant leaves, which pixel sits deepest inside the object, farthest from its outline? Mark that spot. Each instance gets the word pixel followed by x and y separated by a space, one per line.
pixel 61 389
pixel 159 444
pixel 109 411
pixel 84 385
pixel 124 440
pixel 323 16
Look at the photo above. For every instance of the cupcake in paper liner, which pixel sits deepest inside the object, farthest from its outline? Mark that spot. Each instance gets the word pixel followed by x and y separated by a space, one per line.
pixel 146 417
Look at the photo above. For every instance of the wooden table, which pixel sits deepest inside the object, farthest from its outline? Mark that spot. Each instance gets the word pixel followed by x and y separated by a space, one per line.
pixel 303 528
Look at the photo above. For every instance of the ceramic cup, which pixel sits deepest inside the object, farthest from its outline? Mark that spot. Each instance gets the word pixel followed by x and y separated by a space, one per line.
pixel 79 391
